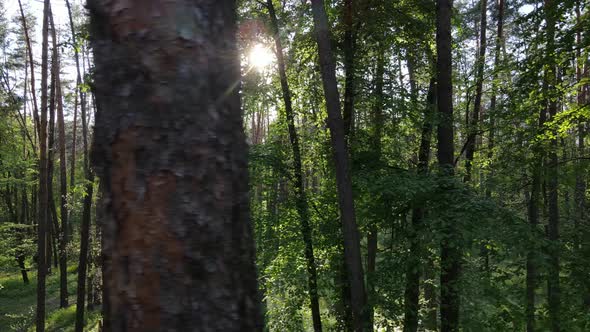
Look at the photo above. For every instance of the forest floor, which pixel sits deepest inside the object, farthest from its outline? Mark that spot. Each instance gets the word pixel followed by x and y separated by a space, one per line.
pixel 18 302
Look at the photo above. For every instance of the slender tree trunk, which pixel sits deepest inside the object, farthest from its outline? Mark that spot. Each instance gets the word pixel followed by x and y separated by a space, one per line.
pixel 349 67
pixel 32 66
pixel 533 215
pixel 376 141
pixel 79 94
pixel 43 197
pixel 473 125
pixel 553 287
pixel 450 245
pixel 350 232
pixel 580 202
pixel 301 199
pixel 63 291
pixel 412 291
pixel 177 232
pixel 85 227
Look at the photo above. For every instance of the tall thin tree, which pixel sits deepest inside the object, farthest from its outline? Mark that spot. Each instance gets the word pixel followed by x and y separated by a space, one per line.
pixel 352 251
pixel 301 197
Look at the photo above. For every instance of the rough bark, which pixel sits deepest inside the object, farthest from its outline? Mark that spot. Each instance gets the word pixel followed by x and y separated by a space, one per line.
pixel 450 244
pixel 412 291
pixel 350 232
pixel 171 154
pixel 301 197
pixel 43 196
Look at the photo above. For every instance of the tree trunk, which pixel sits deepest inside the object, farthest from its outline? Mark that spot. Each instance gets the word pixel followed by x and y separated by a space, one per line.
pixel 473 125
pixel 450 252
pixel 350 232
pixel 171 154
pixel 553 287
pixel 43 197
pixel 78 93
pixel 301 198
pixel 372 239
pixel 85 227
pixel 63 278
pixel 32 66
pixel 349 67
pixel 412 291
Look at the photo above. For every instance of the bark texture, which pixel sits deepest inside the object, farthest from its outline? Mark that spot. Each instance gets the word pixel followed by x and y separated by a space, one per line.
pixel 171 154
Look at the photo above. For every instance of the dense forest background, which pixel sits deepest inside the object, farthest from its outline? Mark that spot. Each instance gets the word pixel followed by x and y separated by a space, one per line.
pixel 415 165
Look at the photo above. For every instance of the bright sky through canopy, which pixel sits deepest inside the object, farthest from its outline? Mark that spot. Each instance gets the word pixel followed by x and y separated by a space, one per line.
pixel 260 57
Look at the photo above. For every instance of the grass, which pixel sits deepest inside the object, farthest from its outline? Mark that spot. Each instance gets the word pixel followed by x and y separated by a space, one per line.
pixel 18 301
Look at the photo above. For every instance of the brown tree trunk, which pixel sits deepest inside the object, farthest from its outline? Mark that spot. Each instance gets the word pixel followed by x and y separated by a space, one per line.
pixel 412 291
pixel 350 232
pixel 301 199
pixel 43 196
pixel 171 154
pixel 450 246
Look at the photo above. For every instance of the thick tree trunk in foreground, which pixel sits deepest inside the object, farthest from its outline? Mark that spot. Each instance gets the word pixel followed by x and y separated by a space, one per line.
pixel 352 251
pixel 43 196
pixel 450 246
pixel 301 199
pixel 171 154
pixel 412 291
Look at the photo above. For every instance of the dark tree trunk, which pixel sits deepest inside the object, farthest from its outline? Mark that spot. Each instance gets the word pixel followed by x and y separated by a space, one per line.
pixel 352 251
pixel 62 235
pixel 301 198
pixel 85 227
pixel 553 287
pixel 580 201
pixel 492 123
pixel 412 291
pixel 23 269
pixel 450 245
pixel 372 238
pixel 473 125
pixel 43 196
pixel 349 68
pixel 171 154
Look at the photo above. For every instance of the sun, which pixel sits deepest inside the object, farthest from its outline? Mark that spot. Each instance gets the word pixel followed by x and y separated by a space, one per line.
pixel 260 57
